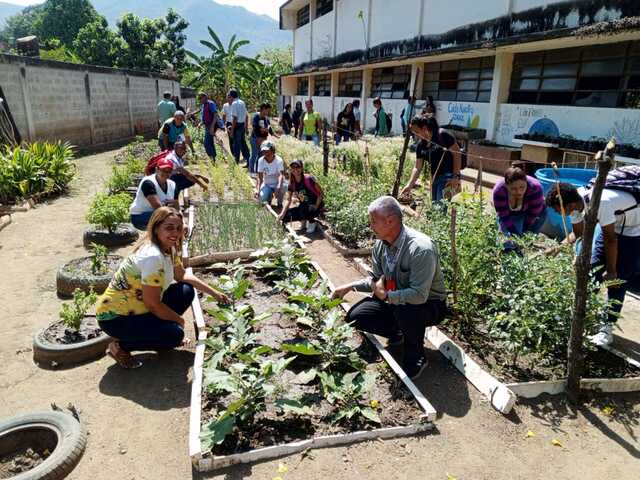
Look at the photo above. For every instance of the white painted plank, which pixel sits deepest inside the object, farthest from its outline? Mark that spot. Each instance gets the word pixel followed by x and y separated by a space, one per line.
pixel 535 389
pixel 195 448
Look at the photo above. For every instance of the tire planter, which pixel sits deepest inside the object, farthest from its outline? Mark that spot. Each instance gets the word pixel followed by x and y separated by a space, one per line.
pixel 123 235
pixel 77 274
pixel 56 442
pixel 50 354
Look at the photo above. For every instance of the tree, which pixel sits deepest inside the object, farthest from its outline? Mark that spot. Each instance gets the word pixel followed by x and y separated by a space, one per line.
pixel 62 19
pixel 96 44
pixel 22 24
pixel 141 38
pixel 171 48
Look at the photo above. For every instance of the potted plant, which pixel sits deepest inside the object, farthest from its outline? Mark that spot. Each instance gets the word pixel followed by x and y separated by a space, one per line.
pixel 86 273
pixel 74 338
pixel 109 215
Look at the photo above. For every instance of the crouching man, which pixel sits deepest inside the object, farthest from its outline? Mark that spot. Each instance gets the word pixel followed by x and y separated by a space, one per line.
pixel 408 286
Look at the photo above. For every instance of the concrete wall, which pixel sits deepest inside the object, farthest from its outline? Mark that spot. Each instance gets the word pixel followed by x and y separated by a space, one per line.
pixel 624 124
pixel 302 44
pixel 392 21
pixel 350 31
pixel 323 36
pixel 81 104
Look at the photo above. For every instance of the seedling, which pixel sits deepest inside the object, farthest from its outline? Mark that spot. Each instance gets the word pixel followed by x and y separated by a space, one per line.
pixel 349 393
pixel 99 259
pixel 74 312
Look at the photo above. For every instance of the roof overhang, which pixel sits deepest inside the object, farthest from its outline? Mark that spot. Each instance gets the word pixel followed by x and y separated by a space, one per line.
pixel 288 11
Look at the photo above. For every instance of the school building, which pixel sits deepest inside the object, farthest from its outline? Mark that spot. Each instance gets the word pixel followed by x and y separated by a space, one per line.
pixel 560 68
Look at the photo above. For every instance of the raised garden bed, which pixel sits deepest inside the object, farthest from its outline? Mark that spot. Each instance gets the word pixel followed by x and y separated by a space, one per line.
pixel 497 159
pixel 79 273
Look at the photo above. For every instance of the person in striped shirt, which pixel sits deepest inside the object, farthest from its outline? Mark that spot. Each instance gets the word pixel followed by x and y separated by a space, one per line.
pixel 519 203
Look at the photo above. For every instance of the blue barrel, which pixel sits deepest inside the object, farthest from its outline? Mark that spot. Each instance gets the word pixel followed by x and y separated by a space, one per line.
pixel 577 177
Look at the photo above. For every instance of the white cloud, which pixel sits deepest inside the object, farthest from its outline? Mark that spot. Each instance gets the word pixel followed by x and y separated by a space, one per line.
pixel 23 2
pixel 264 7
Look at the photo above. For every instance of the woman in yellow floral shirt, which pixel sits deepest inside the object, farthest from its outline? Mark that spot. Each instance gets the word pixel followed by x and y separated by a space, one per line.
pixel 142 308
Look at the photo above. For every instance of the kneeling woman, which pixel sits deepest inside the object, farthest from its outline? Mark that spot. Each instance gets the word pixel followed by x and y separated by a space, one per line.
pixel 309 195
pixel 155 190
pixel 143 306
pixel 519 203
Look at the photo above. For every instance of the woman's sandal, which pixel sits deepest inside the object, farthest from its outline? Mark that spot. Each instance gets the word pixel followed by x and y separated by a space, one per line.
pixel 122 358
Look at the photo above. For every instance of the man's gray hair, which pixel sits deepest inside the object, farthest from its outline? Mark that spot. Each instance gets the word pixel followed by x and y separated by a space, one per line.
pixel 387 206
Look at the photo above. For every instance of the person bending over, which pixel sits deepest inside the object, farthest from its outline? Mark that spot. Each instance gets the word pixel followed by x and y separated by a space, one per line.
pixel 270 175
pixel 408 286
pixel 310 198
pixel 143 305
pixel 154 191
pixel 519 203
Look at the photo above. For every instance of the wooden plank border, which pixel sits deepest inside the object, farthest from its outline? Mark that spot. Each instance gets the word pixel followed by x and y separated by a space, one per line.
pixel 338 245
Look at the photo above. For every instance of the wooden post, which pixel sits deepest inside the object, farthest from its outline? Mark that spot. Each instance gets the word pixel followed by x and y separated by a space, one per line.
pixel 575 356
pixel 454 254
pixel 325 149
pixel 407 137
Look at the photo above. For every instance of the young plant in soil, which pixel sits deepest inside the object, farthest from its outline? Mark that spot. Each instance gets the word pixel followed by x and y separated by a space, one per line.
pixel 109 211
pixel 74 312
pixel 99 259
pixel 282 259
pixel 349 393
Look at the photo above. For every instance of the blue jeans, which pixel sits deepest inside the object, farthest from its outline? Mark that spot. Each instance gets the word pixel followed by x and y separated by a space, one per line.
pixel 141 220
pixel 519 228
pixel 267 192
pixel 239 145
pixel 438 185
pixel 315 138
pixel 255 155
pixel 628 267
pixel 148 332
pixel 209 145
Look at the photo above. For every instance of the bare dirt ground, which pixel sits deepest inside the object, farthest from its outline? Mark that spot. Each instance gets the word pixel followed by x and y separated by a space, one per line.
pixel 138 420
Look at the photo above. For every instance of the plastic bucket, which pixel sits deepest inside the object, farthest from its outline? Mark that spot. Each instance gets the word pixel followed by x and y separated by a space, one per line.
pixel 577 177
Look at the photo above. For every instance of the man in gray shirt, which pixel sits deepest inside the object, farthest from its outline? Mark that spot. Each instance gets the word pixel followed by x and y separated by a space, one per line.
pixel 408 287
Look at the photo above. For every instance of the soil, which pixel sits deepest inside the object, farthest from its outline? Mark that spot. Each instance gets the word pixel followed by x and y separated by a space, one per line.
pixel 270 427
pixel 81 267
pixel 59 333
pixel 21 461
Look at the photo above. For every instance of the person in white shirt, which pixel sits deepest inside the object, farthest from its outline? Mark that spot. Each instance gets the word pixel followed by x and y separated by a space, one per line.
pixel 617 241
pixel 154 191
pixel 238 128
pixel 270 175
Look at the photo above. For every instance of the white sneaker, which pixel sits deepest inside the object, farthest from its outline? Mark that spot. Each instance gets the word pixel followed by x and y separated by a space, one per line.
pixel 311 227
pixel 604 337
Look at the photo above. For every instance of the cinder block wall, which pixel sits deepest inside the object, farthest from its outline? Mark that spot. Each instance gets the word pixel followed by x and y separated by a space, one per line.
pixel 82 104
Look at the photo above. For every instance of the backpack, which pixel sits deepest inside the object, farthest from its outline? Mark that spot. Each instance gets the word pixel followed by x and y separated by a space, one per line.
pixel 623 179
pixel 389 122
pixel 153 161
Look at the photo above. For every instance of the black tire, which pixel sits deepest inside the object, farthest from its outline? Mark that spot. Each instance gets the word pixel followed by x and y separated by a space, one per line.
pixel 71 442
pixel 67 281
pixel 51 355
pixel 124 235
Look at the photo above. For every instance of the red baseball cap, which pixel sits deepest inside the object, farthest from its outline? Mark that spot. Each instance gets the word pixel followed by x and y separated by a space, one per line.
pixel 164 164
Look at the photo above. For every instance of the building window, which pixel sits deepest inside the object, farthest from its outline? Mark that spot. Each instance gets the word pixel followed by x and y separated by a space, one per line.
pixel 303 86
pixel 462 80
pixel 594 76
pixel 323 7
pixel 391 82
pixel 322 86
pixel 350 84
pixel 303 16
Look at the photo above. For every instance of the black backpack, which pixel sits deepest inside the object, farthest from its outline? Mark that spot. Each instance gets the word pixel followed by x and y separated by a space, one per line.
pixel 389 123
pixel 623 179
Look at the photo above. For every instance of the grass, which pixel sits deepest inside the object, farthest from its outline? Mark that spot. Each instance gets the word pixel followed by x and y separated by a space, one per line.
pixel 232 227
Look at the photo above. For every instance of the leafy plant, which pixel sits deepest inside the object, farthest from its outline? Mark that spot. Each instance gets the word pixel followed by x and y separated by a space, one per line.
pixel 109 211
pixel 235 285
pixel 349 394
pixel 99 259
pixel 73 313
pixel 309 307
pixel 281 259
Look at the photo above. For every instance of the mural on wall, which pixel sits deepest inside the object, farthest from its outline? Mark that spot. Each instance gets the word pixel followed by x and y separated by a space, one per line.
pixel 517 119
pixel 462 114
pixel 545 126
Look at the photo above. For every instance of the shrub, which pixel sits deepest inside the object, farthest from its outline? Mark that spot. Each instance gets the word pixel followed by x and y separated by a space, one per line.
pixel 108 211
pixel 99 259
pixel 72 313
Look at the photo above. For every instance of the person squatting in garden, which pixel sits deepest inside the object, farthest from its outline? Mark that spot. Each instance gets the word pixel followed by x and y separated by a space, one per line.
pixel 172 130
pixel 311 124
pixel 408 286
pixel 143 305
pixel 270 181
pixel 310 198
pixel 435 149
pixel 519 203
pixel 154 191
pixel 209 118
pixel 238 128
pixel 182 177
pixel 616 249
pixel 260 131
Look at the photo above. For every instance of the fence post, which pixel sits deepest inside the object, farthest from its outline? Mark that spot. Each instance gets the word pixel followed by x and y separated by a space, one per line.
pixel 325 149
pixel 407 137
pixel 575 360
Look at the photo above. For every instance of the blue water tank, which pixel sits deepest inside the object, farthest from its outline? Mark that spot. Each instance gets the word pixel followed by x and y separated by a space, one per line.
pixel 577 177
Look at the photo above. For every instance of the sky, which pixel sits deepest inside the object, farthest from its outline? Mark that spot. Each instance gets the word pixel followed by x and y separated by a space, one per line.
pixel 264 7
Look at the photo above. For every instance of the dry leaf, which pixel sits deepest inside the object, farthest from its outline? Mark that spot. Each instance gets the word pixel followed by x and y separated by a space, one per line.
pixel 375 404
pixel 278 478
pixel 451 477
pixel 530 434
pixel 556 443
pixel 608 410
pixel 282 468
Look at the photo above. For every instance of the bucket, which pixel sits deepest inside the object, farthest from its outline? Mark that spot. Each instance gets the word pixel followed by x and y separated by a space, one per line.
pixel 577 177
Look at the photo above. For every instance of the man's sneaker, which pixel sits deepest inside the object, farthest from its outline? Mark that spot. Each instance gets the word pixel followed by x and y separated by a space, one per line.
pixel 396 340
pixel 414 370
pixel 311 227
pixel 604 337
pixel 368 352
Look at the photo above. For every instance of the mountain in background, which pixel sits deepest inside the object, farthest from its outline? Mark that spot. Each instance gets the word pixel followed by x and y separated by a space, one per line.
pixel 226 20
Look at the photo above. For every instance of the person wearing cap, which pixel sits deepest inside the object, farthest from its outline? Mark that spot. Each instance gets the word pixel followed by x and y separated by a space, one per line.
pixel 182 177
pixel 155 191
pixel 238 129
pixel 208 118
pixel 270 175
pixel 166 108
pixel 173 129
pixel 260 131
pixel 310 198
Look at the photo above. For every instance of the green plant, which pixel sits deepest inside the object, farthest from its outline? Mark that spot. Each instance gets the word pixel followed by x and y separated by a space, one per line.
pixel 281 259
pixel 99 259
pixel 73 313
pixel 349 394
pixel 119 180
pixel 109 211
pixel 235 285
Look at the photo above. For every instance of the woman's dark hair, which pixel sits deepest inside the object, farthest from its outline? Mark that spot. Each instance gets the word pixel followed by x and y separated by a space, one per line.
pixel 287 106
pixel 344 110
pixel 298 104
pixel 513 174
pixel 265 106
pixel 568 193
pixel 430 123
pixel 356 103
